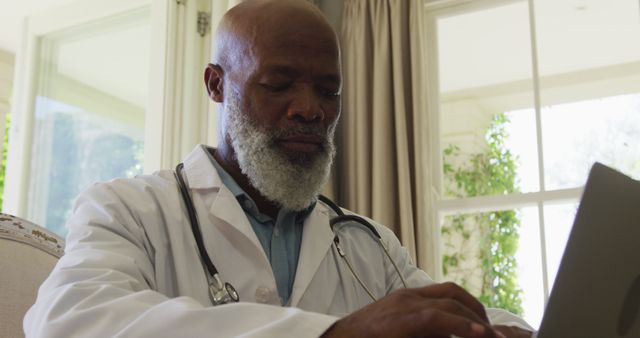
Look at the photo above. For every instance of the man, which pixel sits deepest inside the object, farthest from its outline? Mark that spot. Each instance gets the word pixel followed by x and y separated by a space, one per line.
pixel 131 266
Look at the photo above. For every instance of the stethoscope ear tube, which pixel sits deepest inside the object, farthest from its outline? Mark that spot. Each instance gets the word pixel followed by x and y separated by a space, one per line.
pixel 342 217
pixel 219 292
pixel 223 293
pixel 357 219
pixel 193 220
pixel 324 199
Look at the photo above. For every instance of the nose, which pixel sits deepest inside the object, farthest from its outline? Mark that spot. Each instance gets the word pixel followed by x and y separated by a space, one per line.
pixel 306 106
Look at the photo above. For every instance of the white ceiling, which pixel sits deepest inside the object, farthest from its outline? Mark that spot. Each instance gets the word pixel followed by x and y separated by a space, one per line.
pixel 12 13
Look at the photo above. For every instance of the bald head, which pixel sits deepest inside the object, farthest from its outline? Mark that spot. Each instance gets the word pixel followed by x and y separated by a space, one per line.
pixel 254 24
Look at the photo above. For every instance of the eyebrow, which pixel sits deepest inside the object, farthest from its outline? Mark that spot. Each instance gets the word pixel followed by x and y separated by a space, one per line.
pixel 293 72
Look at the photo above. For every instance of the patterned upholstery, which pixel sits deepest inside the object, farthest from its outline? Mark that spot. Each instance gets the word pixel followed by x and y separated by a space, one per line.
pixel 27 255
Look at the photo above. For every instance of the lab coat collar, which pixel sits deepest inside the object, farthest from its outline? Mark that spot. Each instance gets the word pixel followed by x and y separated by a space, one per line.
pixel 201 174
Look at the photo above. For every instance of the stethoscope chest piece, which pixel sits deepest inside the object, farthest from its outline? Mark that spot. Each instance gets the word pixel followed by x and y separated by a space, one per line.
pixel 222 293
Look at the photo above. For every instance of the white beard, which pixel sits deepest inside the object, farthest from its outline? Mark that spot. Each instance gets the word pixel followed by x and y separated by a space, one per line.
pixel 292 183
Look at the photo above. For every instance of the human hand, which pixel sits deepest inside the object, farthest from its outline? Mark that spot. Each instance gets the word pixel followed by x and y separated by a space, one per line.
pixel 513 331
pixel 438 310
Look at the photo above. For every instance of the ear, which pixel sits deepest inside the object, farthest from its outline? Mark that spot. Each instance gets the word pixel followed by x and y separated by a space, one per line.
pixel 214 80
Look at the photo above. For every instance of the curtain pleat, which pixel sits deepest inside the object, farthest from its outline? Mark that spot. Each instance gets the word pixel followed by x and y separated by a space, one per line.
pixel 382 166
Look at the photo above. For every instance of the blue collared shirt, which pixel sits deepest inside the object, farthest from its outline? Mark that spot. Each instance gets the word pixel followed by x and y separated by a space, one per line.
pixel 280 239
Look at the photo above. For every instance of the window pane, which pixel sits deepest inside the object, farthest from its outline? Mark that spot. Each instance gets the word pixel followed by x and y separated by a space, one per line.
pixel 589 62
pixel 521 142
pixel 89 112
pixel 484 61
pixel 578 134
pixel 496 256
pixel 558 221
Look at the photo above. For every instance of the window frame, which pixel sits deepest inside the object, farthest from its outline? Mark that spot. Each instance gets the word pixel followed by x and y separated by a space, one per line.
pixel 445 207
pixel 177 116
pixel 26 77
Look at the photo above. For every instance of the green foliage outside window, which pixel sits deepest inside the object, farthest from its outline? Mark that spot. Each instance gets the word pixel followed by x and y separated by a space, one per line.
pixel 99 154
pixel 3 164
pixel 491 172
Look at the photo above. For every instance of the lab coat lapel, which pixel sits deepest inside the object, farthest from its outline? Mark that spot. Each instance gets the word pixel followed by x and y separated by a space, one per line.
pixel 316 241
pixel 225 207
pixel 202 174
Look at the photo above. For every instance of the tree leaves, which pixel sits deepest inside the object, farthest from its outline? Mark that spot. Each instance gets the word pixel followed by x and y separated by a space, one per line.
pixel 490 172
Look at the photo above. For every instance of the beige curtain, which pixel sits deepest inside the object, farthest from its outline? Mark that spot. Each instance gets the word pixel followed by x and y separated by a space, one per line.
pixel 382 169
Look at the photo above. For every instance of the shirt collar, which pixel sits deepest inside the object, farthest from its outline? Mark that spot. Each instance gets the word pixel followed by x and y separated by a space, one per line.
pixel 225 177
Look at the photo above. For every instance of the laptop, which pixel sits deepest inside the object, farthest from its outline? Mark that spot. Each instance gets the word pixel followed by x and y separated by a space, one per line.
pixel 597 289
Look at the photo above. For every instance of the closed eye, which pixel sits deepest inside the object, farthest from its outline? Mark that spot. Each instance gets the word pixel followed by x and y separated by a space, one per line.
pixel 329 93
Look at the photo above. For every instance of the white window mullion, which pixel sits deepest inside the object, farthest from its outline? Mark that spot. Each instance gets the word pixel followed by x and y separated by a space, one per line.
pixel 181 117
pixel 507 202
pixel 537 103
pixel 160 127
pixel 536 94
pixel 543 252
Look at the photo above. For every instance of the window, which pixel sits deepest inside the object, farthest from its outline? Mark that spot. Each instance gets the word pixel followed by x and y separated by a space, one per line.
pixel 528 95
pixel 106 89
pixel 89 117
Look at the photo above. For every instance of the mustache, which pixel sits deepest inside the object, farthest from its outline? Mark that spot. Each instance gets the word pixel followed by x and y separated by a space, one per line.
pixel 313 130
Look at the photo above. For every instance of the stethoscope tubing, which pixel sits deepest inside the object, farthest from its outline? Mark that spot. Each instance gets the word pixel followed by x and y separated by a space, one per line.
pixel 342 217
pixel 193 220
pixel 219 292
pixel 222 293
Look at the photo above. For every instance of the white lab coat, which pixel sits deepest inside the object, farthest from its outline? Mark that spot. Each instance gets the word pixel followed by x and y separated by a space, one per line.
pixel 131 267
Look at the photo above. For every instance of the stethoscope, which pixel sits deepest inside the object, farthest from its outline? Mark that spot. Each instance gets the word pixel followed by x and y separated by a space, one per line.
pixel 223 293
